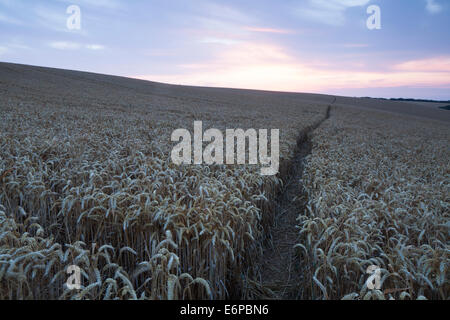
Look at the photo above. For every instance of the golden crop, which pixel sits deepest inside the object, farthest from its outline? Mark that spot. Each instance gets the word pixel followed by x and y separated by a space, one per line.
pixel 377 192
pixel 86 180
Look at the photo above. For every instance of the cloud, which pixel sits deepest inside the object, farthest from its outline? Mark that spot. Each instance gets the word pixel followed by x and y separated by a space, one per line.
pixel 224 13
pixel 269 30
pixel 220 21
pixel 269 67
pixel 436 64
pixel 433 7
pixel 55 20
pixel 330 12
pixel 222 41
pixel 52 19
pixel 67 45
pixel 95 47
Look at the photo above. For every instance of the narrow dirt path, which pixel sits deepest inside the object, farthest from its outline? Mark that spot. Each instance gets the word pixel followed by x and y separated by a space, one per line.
pixel 280 273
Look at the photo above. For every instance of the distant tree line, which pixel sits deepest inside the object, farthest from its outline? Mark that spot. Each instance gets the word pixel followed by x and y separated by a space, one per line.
pixel 419 100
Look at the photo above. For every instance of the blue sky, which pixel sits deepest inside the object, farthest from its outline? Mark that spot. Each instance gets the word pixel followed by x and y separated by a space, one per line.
pixel 292 45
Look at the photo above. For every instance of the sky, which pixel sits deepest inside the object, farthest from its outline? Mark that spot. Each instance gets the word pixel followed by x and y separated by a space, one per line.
pixel 319 46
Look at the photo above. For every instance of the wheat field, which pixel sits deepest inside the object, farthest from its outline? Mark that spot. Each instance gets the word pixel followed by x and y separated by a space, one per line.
pixel 377 193
pixel 90 183
pixel 86 179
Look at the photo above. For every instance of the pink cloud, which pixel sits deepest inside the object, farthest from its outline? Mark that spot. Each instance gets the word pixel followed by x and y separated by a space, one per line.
pixel 269 30
pixel 269 67
pixel 438 64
